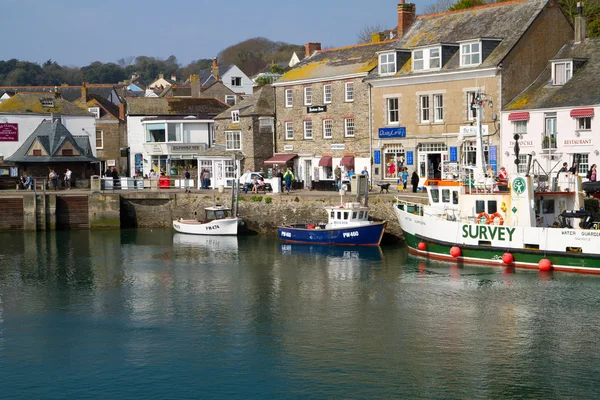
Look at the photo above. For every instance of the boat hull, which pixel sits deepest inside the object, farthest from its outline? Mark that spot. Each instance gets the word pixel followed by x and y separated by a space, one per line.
pixel 365 235
pixel 226 226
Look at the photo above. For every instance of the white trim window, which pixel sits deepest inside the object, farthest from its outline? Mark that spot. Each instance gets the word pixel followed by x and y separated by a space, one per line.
pixel 99 139
pixel 584 123
pixel 235 116
pixel 438 107
pixel 236 81
pixel 327 95
pixel 418 58
pixel 230 99
pixel 471 110
pixel 327 128
pixel 426 59
pixel 289 130
pixel 522 167
pixel 95 111
pixel 308 96
pixel 349 127
pixel 583 162
pixel 234 140
pixel 424 109
pixel 289 98
pixel 393 111
pixel 308 129
pixel 470 54
pixel 561 72
pixel 387 64
pixel 349 92
pixel 520 127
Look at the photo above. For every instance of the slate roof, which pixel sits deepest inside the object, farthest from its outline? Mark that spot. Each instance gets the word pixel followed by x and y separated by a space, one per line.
pixel 207 78
pixel 31 103
pixel 52 136
pixel 70 93
pixel 583 89
pixel 507 21
pixel 330 63
pixel 199 107
pixel 261 103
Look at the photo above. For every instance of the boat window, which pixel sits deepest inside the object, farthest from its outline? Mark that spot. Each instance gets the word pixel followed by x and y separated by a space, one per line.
pixel 446 195
pixel 332 214
pixel 479 206
pixel 220 214
pixel 339 215
pixel 210 214
pixel 354 215
pixel 455 197
pixel 548 206
pixel 492 206
pixel 435 195
pixel 346 214
pixel 360 215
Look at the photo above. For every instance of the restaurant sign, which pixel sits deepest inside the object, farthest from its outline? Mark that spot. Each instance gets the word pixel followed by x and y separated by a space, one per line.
pixel 577 141
pixel 9 132
pixel 316 109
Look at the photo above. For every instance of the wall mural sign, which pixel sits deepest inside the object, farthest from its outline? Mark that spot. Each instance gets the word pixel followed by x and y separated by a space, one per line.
pixel 9 132
pixel 391 133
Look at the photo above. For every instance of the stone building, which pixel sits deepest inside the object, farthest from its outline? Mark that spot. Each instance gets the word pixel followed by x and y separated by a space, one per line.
pixel 323 114
pixel 425 86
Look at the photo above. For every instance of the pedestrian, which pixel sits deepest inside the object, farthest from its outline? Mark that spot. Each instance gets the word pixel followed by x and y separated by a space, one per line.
pixel 575 168
pixel 365 171
pixel 280 176
pixel 350 174
pixel 68 175
pixel 28 184
pixel 503 175
pixel 414 180
pixel 591 175
pixel 53 179
pixel 338 178
pixel 288 177
pixel 206 178
pixel 186 174
pixel 404 178
pixel 115 175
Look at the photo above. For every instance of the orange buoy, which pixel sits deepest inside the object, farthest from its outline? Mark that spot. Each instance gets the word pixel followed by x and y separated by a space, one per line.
pixel 455 251
pixel 507 258
pixel 545 265
pixel 422 246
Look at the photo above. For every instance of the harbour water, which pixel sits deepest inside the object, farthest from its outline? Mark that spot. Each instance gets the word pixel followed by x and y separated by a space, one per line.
pixel 153 314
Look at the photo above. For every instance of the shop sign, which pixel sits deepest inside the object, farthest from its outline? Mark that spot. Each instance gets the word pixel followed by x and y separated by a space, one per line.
pixel 186 148
pixel 409 158
pixel 577 142
pixel 472 130
pixel 340 146
pixel 288 147
pixel 111 163
pixel 9 132
pixel 316 109
pixel 377 157
pixel 453 154
pixel 392 133
pixel 522 143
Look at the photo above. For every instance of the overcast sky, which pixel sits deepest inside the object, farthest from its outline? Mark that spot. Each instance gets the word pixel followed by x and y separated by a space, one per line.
pixel 75 32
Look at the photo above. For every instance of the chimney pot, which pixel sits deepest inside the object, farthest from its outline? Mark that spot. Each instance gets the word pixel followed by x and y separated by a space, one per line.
pixel 406 16
pixel 215 69
pixel 580 24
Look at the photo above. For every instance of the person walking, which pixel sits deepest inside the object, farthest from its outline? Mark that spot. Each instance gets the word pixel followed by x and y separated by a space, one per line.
pixel 206 178
pixel 414 180
pixel 591 175
pixel 288 177
pixel 68 175
pixel 115 175
pixel 575 168
pixel 338 178
pixel 404 178
pixel 280 177
pixel 53 179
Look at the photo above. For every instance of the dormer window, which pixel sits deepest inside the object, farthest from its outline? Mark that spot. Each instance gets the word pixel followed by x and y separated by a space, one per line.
pixel 235 116
pixel 48 103
pixel 95 111
pixel 425 59
pixel 561 72
pixel 387 64
pixel 470 54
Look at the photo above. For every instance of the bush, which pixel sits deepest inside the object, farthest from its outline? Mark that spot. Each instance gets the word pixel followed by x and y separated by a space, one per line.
pixel 256 198
pixel 268 200
pixel 241 198
pixel 297 200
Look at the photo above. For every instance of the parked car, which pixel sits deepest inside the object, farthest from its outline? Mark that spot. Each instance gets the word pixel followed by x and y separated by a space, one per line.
pixel 247 178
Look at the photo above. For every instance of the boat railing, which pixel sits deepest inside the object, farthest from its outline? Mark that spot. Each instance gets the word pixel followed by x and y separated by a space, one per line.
pixel 409 206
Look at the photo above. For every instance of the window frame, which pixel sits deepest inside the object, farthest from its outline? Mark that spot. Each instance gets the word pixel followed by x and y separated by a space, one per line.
pixel 289 98
pixel 471 113
pixel 289 130
pixel 306 129
pixel 232 138
pixel 424 110
pixel 328 127
pixel 391 111
pixel 349 92
pixel 438 105
pixel 349 126
pixel 94 110
pixel 424 58
pixel 586 121
pixel 520 127
pixel 235 117
pixel 470 54
pixel 583 162
pixel 550 135
pixel 235 80
pixel 308 96
pixel 327 93
pixel 100 134
pixel 387 66
pixel 230 96
pixel 568 72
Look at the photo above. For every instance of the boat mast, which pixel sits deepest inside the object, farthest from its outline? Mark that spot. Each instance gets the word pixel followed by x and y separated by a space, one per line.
pixel 479 159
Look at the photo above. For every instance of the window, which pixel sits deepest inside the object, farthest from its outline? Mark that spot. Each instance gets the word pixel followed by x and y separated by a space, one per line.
pixel 265 125
pixel 37 152
pixel 49 103
pixel 67 152
pixel 435 195
pixel 387 64
pixel 155 133
pixel 235 116
pixel 234 140
pixel 434 58
pixel 424 108
pixel 174 132
pixel 308 128
pixel 327 128
pixel 561 72
pixel 236 81
pixel 349 123
pixel 438 104
pixel 549 136
pixel 418 61
pixel 470 54
pixel 584 123
pixel 99 139
pixel 392 111
pixel 426 59
pixel 583 163
pixel 522 167
pixel 289 130
pixel 520 127
pixel 445 195
pixel 230 170
pixel 349 91
pixel 471 110
pixel 326 94
pixel 230 99
pixel 95 111
pixel 308 96
pixel 288 97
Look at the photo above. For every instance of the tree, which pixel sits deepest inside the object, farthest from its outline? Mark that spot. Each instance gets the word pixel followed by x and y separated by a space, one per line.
pixel 439 6
pixel 462 4
pixel 365 34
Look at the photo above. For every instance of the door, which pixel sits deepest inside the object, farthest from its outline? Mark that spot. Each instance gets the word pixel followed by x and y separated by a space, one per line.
pixel 307 172
pixel 219 176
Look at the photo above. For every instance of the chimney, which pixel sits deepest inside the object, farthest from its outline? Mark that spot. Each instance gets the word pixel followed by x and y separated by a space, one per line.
pixel 195 85
pixel 84 90
pixel 377 37
pixel 310 48
pixel 215 69
pixel 406 15
pixel 122 111
pixel 174 77
pixel 580 24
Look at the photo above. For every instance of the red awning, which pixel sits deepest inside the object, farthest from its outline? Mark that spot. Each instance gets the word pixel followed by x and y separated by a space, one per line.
pixel 582 112
pixel 280 159
pixel 519 116
pixel 325 162
pixel 347 161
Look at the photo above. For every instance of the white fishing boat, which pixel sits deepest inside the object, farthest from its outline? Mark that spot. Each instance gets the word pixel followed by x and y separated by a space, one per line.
pixel 218 220
pixel 523 222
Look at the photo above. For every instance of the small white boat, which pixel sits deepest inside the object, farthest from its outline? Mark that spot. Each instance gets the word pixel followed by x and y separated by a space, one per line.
pixel 218 221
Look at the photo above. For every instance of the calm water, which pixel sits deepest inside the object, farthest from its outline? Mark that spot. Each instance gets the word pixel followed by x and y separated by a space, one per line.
pixel 150 314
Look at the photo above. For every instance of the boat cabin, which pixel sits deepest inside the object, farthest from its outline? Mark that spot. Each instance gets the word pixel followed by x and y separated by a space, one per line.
pixel 348 214
pixel 217 212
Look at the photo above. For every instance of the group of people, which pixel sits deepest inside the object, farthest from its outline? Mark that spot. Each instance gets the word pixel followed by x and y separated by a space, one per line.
pixel 591 174
pixel 204 178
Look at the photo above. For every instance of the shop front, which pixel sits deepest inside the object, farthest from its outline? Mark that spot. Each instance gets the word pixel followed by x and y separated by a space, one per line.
pixel 169 158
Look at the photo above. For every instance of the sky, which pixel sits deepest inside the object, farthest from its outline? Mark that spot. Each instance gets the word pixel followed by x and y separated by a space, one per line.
pixel 77 33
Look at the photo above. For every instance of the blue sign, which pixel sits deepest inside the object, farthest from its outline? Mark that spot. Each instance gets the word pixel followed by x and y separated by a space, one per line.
pixel 390 133
pixel 493 153
pixel 409 158
pixel 453 154
pixel 377 156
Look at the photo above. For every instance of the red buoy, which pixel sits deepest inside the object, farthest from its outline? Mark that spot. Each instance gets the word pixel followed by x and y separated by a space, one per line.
pixel 422 246
pixel 545 265
pixel 455 251
pixel 507 258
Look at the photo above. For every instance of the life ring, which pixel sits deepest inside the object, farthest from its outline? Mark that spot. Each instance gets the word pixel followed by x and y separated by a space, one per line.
pixel 484 215
pixel 493 218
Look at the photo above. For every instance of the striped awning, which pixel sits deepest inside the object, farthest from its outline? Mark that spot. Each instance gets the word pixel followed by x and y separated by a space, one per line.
pixel 325 161
pixel 582 112
pixel 519 116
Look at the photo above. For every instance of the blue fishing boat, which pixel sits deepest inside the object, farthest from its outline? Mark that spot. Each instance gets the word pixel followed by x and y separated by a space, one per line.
pixel 347 225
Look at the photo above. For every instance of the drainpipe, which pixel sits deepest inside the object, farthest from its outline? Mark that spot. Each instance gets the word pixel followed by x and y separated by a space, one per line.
pixel 274 117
